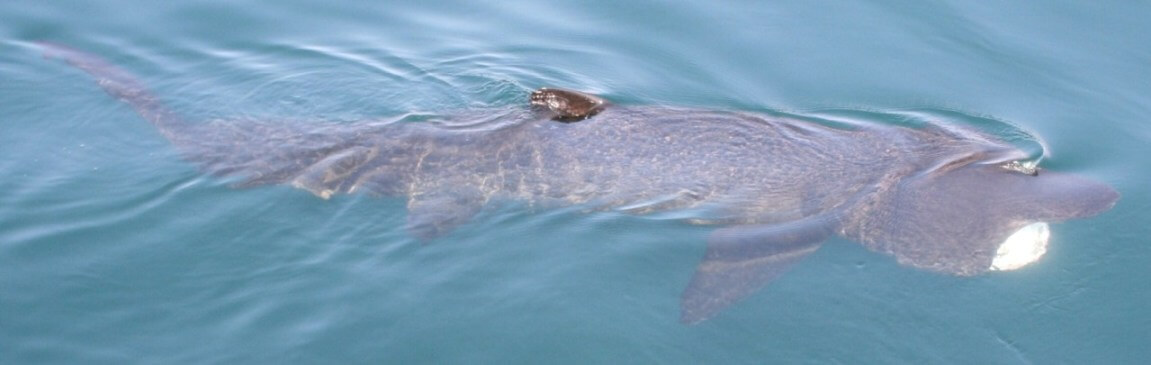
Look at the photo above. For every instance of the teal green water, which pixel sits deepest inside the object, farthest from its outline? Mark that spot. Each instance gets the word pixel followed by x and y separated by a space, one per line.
pixel 114 250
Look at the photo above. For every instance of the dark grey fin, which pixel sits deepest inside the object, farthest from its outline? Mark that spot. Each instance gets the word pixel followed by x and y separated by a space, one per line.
pixel 434 214
pixel 568 105
pixel 743 259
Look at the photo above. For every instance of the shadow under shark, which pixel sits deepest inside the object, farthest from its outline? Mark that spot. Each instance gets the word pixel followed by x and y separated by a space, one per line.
pixel 942 198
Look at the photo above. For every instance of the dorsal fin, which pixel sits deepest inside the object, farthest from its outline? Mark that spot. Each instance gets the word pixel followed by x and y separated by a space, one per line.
pixel 568 105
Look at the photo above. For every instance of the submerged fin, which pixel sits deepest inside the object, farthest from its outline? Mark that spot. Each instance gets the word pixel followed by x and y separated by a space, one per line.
pixel 743 259
pixel 568 105
pixel 434 214
pixel 332 174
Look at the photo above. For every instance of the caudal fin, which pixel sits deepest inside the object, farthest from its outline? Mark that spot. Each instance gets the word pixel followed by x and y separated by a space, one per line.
pixel 117 83
pixel 324 158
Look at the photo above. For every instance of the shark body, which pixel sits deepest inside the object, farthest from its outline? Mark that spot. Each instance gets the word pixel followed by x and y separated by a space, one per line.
pixel 935 197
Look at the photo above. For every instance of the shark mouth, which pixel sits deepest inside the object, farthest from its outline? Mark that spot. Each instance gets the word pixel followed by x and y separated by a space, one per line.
pixel 1023 247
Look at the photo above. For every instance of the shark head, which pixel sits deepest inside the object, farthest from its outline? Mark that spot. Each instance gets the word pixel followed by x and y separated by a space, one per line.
pixel 977 217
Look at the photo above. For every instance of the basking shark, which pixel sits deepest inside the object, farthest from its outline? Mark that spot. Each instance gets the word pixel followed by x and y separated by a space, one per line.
pixel 947 199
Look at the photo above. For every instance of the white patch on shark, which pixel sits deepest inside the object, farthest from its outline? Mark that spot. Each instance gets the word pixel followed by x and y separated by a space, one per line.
pixel 1023 247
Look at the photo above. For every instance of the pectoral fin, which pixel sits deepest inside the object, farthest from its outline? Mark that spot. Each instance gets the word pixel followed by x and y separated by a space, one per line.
pixel 743 259
pixel 330 174
pixel 434 214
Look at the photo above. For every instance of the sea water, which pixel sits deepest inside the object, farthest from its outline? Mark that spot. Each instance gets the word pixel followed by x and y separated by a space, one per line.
pixel 113 249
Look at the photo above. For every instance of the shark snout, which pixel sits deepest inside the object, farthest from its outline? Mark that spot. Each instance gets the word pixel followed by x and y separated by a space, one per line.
pixel 1068 196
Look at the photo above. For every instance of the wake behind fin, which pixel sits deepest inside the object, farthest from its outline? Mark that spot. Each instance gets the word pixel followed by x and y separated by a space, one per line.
pixel 743 259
